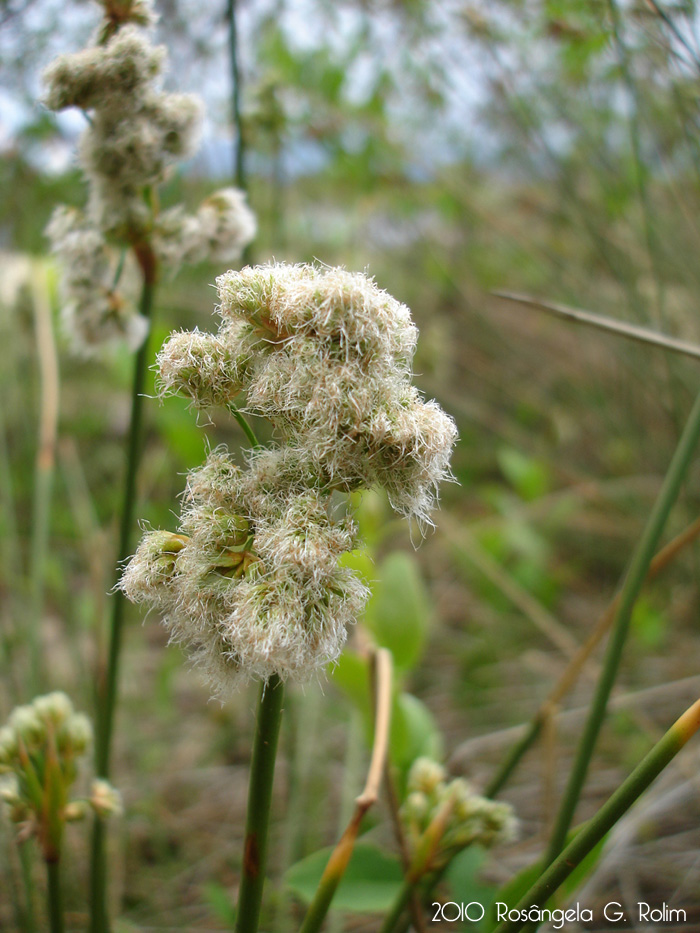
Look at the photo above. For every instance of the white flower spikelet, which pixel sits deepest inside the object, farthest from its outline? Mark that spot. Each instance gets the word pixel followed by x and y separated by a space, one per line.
pixel 136 133
pixel 325 355
pixel 470 818
pixel 250 587
pixel 253 583
pixel 93 313
pixel 219 231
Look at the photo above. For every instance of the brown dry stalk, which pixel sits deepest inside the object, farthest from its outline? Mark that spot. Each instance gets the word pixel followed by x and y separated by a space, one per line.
pixel 602 322
pixel 548 710
pixel 48 367
pixel 577 663
pixel 340 857
pixel 662 559
pixel 414 904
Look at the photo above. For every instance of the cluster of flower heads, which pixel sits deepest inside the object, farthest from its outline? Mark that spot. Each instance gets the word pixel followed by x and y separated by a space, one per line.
pixel 136 132
pixel 469 819
pixel 253 581
pixel 40 748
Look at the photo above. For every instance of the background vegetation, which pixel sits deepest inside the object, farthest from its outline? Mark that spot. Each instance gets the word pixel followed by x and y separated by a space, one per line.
pixel 451 149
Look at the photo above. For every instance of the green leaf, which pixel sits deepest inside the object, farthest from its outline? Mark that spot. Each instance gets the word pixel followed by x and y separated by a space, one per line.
pixel 462 877
pixel 371 515
pixel 179 431
pixel 398 613
pixel 649 624
pixel 360 561
pixel 529 477
pixel 220 903
pixel 370 884
pixel 351 675
pixel 414 732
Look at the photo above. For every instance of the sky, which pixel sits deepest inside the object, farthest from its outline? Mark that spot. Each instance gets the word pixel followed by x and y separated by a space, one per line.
pixel 45 28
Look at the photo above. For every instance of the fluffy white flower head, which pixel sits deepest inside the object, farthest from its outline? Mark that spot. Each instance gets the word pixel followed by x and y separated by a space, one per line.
pixel 136 133
pixel 252 583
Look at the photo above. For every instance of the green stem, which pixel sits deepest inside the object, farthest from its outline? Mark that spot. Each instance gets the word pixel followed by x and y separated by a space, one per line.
pixel 54 897
pixel 502 776
pixel 44 469
pixel 303 753
pixel 262 771
pixel 663 558
pixel 239 163
pixel 247 430
pixel 633 582
pixel 25 858
pixel 108 678
pixel 41 518
pixel 108 684
pixel 398 907
pixel 236 118
pixel 596 828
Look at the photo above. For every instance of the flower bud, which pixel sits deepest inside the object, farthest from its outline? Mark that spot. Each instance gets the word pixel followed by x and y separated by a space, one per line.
pixel 75 811
pixel 27 726
pixel 416 807
pixel 105 800
pixel 8 748
pixel 53 707
pixel 425 776
pixel 79 733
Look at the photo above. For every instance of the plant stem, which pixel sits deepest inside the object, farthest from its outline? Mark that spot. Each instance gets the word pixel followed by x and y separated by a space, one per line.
pixel 239 163
pixel 515 755
pixel 610 325
pixel 567 680
pixel 596 828
pixel 262 771
pixel 634 579
pixel 54 897
pixel 107 680
pixel 25 858
pixel 414 903
pixel 341 855
pixel 247 430
pixel 421 864
pixel 402 900
pixel 44 466
pixel 236 119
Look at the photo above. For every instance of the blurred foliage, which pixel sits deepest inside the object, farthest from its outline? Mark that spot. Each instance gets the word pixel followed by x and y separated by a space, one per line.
pixel 547 146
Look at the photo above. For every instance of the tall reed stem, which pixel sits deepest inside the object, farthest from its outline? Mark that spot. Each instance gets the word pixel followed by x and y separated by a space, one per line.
pixel 55 896
pixel 340 856
pixel 594 830
pixel 25 858
pixel 262 771
pixel 631 586
pixel 107 677
pixel 44 467
pixel 567 680
pixel 236 117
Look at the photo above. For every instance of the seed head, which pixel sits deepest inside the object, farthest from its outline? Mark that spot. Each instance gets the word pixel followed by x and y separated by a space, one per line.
pixel 105 800
pixel 104 77
pixel 136 134
pixel 325 356
pixel 93 313
pixel 471 818
pixel 425 776
pixel 40 748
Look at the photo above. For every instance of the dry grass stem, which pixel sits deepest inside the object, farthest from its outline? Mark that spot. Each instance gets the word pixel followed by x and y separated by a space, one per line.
pixel 609 324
